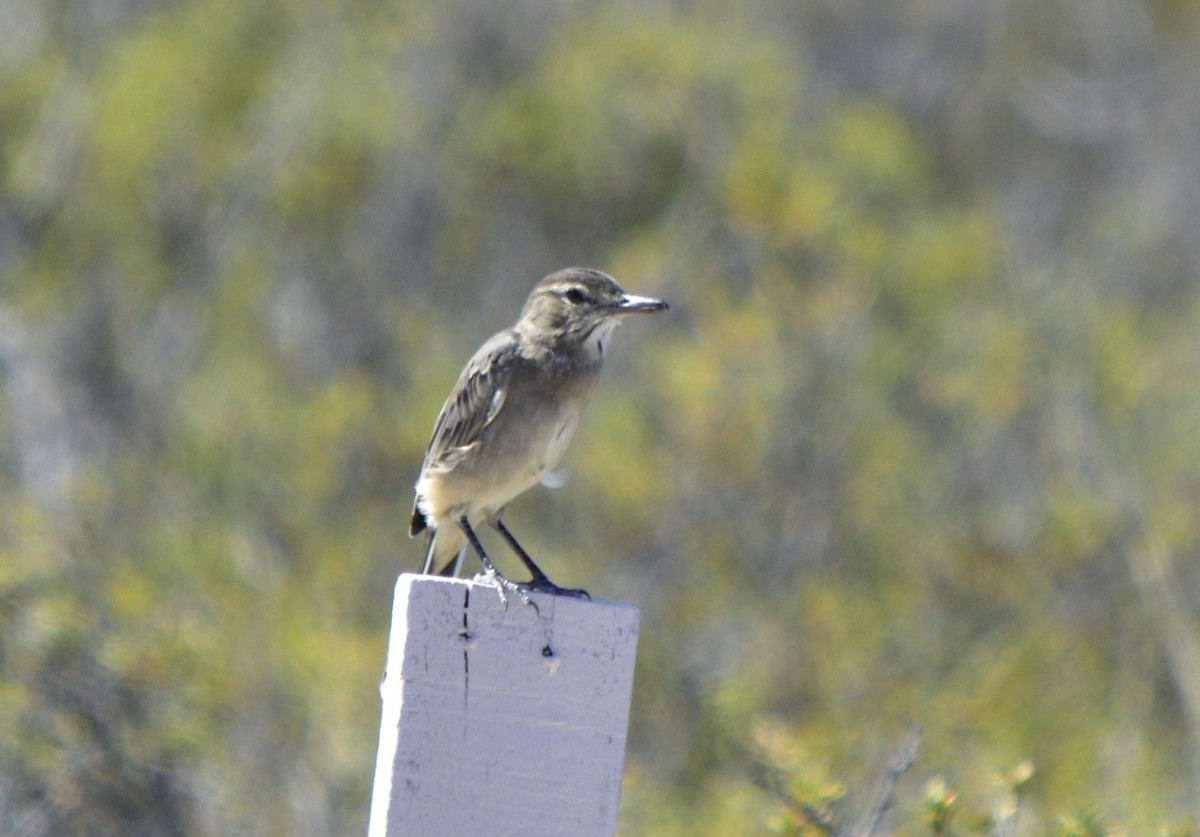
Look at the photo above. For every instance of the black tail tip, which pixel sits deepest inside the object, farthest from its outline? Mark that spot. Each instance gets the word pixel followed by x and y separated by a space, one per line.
pixel 418 524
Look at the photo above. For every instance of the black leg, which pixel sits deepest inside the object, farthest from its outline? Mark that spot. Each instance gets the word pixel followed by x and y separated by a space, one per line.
pixel 488 566
pixel 539 581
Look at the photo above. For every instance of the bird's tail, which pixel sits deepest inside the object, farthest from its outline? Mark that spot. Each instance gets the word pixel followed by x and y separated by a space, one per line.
pixel 445 549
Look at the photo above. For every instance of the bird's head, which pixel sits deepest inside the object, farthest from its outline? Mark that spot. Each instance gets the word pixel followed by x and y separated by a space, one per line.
pixel 580 307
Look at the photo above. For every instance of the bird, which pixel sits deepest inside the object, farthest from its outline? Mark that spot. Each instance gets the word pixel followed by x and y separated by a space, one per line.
pixel 509 418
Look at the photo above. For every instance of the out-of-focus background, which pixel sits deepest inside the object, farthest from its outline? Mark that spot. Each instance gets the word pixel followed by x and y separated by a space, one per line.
pixel 918 445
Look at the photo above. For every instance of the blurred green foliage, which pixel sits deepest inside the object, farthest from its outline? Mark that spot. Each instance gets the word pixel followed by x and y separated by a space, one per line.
pixel 916 448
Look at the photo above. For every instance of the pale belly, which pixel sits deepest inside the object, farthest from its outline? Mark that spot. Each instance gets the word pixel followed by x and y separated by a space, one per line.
pixel 489 476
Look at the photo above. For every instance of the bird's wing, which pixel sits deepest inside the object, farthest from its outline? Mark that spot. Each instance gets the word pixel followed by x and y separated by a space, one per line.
pixel 474 403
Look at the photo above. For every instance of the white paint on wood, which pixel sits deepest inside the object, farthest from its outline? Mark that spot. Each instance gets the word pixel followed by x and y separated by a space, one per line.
pixel 499 719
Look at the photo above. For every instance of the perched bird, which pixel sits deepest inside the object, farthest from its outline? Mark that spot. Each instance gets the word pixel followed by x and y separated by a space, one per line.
pixel 511 415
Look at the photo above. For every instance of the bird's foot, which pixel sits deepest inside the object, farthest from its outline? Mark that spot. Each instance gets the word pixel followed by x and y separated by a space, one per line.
pixel 542 584
pixel 504 587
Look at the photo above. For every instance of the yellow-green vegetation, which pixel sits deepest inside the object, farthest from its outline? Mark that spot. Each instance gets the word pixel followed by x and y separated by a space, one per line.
pixel 905 483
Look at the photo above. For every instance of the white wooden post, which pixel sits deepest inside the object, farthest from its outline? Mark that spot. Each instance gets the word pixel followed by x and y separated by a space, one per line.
pixel 499 719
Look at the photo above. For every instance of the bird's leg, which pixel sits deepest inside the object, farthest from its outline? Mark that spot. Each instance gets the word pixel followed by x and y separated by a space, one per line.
pixel 488 567
pixel 539 581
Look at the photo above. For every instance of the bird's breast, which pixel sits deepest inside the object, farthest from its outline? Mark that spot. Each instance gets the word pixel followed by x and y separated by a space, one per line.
pixel 557 442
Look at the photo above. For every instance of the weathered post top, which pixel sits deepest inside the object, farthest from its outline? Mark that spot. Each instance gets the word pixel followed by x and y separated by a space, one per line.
pixel 500 718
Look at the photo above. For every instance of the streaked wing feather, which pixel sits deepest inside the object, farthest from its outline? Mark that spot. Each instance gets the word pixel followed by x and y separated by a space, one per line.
pixel 474 402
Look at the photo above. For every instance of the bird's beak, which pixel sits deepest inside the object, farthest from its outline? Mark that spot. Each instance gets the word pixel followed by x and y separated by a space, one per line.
pixel 631 304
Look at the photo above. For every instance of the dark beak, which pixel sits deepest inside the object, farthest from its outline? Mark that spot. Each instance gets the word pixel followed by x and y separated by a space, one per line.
pixel 631 304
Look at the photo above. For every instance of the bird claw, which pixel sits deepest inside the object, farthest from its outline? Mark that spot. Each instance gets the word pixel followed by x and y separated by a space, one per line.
pixel 545 585
pixel 503 586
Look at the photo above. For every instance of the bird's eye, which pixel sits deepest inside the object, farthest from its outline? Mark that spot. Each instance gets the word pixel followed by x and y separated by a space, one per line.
pixel 575 296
